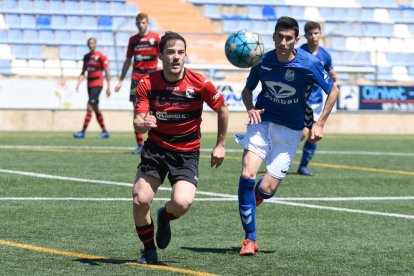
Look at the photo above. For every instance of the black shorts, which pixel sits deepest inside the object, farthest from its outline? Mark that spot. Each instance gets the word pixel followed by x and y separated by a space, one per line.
pixel 94 93
pixel 132 92
pixel 180 165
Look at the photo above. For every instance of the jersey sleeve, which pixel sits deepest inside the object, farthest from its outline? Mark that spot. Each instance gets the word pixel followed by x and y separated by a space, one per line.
pixel 130 50
pixel 321 77
pixel 211 96
pixel 84 65
pixel 142 103
pixel 253 78
pixel 104 61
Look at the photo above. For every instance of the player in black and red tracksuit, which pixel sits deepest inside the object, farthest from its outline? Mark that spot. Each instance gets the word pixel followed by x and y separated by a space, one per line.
pixel 143 49
pixel 94 63
pixel 169 106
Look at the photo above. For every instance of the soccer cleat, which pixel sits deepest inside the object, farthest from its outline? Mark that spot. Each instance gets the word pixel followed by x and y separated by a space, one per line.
pixel 249 248
pixel 304 171
pixel 104 135
pixel 79 134
pixel 148 257
pixel 138 150
pixel 163 236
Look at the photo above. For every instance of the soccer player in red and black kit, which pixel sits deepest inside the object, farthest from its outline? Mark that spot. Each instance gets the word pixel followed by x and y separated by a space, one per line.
pixel 143 47
pixel 94 63
pixel 169 106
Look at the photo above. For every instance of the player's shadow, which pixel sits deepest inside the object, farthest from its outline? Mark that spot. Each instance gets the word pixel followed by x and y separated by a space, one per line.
pixel 228 250
pixel 99 261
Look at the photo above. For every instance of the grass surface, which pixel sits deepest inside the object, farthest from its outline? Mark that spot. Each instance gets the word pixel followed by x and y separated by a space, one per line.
pixel 293 240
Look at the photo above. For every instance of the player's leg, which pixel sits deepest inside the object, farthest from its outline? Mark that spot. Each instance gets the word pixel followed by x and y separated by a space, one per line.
pixel 139 137
pixel 247 201
pixel 309 148
pixel 183 175
pixel 88 116
pixel 143 193
pixel 150 174
pixel 94 101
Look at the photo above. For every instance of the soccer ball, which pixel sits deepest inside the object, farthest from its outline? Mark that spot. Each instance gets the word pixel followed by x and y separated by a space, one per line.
pixel 244 49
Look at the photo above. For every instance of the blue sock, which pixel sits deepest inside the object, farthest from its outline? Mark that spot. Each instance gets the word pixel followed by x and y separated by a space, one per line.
pixel 308 152
pixel 247 207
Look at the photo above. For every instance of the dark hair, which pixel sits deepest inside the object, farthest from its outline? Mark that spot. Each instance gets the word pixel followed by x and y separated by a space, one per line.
pixel 287 22
pixel 91 38
pixel 170 36
pixel 310 25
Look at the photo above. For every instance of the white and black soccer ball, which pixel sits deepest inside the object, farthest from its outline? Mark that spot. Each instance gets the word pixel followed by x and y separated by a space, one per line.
pixel 244 49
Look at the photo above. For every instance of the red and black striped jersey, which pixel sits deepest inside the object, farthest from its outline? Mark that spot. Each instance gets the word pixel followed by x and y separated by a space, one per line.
pixel 94 64
pixel 178 107
pixel 144 50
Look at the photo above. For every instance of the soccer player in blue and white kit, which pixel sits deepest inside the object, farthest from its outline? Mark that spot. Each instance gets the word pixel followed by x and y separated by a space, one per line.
pixel 313 35
pixel 276 121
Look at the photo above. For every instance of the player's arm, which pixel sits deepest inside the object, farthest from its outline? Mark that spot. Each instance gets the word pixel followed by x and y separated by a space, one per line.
pixel 254 114
pixel 317 128
pixel 81 77
pixel 125 67
pixel 217 155
pixel 332 73
pixel 108 77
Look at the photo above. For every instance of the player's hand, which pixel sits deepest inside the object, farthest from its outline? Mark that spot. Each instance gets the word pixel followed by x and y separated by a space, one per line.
pixel 316 133
pixel 77 88
pixel 150 121
pixel 108 92
pixel 118 86
pixel 254 116
pixel 217 156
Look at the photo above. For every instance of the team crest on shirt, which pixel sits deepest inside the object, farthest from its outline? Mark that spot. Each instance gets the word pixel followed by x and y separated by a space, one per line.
pixel 290 75
pixel 152 41
pixel 189 92
pixel 96 58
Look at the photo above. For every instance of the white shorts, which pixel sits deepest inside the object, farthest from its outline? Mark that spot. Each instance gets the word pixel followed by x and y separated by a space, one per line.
pixel 273 143
pixel 317 110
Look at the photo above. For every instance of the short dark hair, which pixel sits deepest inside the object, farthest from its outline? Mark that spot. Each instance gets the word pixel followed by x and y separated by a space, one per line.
pixel 170 36
pixel 91 38
pixel 287 22
pixel 310 25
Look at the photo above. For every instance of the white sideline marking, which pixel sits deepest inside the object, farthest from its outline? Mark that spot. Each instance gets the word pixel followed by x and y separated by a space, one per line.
pixel 94 181
pixel 357 198
pixel 327 152
pixel 104 199
pixel 224 197
pixel 340 209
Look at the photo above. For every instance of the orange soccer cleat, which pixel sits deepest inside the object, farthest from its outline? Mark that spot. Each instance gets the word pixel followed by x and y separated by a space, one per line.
pixel 249 248
pixel 259 198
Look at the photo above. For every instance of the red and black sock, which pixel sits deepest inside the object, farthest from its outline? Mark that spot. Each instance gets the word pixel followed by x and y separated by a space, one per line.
pixel 140 138
pixel 88 117
pixel 100 119
pixel 165 216
pixel 146 236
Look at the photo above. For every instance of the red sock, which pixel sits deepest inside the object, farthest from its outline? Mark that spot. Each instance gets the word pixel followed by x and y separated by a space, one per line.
pixel 140 138
pixel 88 117
pixel 100 119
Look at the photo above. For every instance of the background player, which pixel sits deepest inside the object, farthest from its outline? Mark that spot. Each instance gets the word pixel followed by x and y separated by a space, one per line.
pixel 169 106
pixel 276 122
pixel 313 35
pixel 94 63
pixel 143 47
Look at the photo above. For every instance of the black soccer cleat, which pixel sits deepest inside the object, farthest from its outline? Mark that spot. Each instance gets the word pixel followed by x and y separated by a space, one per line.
pixel 148 257
pixel 163 236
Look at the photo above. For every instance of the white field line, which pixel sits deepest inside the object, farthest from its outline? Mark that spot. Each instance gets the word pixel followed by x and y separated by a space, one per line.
pixel 326 152
pixel 224 196
pixel 104 199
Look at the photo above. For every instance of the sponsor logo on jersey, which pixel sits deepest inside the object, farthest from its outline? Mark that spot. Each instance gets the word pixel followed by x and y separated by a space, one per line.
pixel 280 90
pixel 172 88
pixel 216 96
pixel 266 68
pixel 189 92
pixel 290 75
pixel 165 116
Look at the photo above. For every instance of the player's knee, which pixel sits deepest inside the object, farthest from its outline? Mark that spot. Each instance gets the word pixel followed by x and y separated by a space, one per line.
pixel 181 206
pixel 248 174
pixel 140 200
